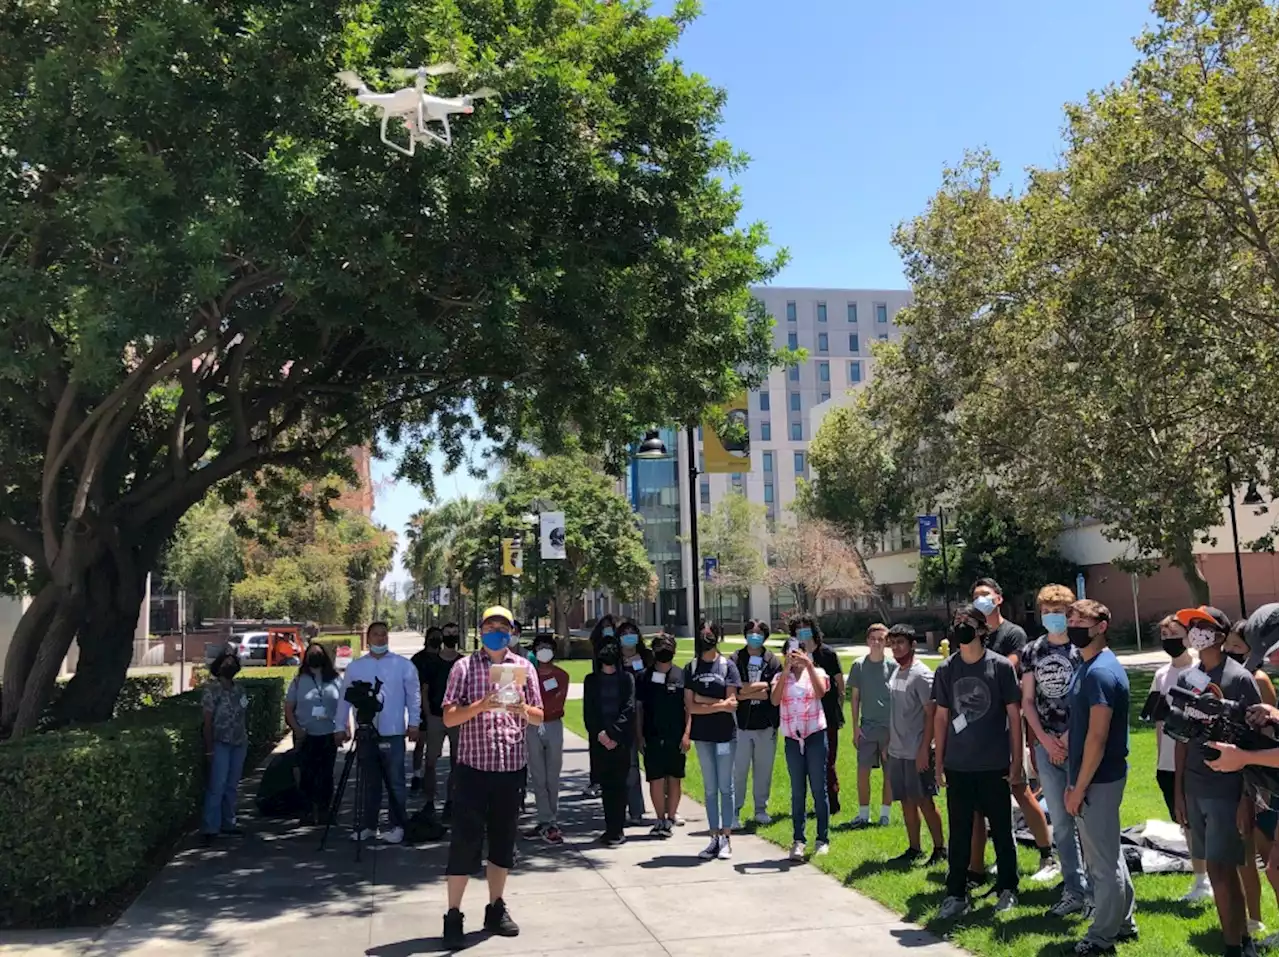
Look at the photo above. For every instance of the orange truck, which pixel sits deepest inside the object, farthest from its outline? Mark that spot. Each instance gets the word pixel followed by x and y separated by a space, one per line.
pixel 284 645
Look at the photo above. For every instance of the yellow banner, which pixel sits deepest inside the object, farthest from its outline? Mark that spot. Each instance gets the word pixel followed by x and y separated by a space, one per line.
pixel 726 441
pixel 512 558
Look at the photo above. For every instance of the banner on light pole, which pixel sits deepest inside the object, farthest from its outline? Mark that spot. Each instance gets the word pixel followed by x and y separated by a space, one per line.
pixel 553 535
pixel 512 557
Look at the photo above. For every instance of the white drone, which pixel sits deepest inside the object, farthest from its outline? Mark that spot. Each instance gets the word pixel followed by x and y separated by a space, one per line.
pixel 416 108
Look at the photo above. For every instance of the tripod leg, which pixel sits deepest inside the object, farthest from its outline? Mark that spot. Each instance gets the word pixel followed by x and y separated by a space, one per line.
pixel 337 795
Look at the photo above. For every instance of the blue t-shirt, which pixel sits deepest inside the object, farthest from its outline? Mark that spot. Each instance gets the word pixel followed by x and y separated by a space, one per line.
pixel 1100 681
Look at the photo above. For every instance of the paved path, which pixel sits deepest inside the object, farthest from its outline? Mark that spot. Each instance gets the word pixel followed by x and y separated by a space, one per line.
pixel 273 894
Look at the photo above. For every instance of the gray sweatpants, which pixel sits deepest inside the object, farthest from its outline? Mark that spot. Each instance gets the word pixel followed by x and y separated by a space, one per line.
pixel 1099 829
pixel 756 750
pixel 546 756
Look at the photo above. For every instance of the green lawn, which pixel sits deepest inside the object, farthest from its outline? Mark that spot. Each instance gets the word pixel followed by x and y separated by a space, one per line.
pixel 1168 927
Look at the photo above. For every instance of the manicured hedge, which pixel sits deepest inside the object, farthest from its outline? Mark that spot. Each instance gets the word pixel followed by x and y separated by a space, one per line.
pixel 334 642
pixel 84 809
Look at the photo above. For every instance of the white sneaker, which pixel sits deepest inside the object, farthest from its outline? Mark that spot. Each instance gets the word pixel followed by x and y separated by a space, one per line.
pixel 1051 871
pixel 712 849
pixel 367 834
pixel 679 821
pixel 762 818
pixel 797 851
pixel 1201 890
pixel 1256 928
pixel 726 852
pixel 393 836
pixel 822 849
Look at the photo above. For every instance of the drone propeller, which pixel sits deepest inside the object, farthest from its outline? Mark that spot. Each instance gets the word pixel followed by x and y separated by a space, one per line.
pixel 436 69
pixel 482 93
pixel 352 80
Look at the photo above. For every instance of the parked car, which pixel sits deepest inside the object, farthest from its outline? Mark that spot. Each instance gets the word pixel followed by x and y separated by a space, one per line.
pixel 251 647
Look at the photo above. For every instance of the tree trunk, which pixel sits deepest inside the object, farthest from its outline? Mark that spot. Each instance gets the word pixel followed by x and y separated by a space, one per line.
pixel 560 615
pixel 38 688
pixel 1183 558
pixel 22 654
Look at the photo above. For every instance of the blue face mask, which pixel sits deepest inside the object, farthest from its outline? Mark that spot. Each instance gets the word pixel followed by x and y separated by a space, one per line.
pixel 805 634
pixel 630 641
pixel 607 632
pixel 755 639
pixel 1055 622
pixel 496 640
pixel 985 604
pixel 378 649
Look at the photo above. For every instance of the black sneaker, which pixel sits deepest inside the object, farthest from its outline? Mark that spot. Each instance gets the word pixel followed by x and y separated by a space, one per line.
pixel 907 857
pixel 975 879
pixel 939 856
pixel 1091 948
pixel 498 921
pixel 447 814
pixel 454 936
pixel 415 783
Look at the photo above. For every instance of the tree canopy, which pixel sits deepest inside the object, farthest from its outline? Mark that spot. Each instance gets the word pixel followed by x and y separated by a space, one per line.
pixel 210 265
pixel 733 532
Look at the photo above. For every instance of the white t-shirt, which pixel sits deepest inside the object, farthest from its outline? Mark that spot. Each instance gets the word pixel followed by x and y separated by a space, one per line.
pixel 1165 679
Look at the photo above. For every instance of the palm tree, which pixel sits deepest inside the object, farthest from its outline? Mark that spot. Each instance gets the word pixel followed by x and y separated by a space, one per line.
pixel 430 535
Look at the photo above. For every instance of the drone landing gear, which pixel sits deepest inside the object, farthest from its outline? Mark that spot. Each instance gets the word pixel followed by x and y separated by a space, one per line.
pixel 419 132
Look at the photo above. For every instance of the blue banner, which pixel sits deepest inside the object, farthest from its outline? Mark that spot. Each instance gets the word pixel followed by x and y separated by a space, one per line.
pixel 709 565
pixel 930 530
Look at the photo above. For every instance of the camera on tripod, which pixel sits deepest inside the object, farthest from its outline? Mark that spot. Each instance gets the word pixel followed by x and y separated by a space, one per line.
pixel 364 700
pixel 1198 717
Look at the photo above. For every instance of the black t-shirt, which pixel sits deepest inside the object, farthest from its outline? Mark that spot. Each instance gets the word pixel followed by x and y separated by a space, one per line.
pixel 663 702
pixel 1052 666
pixel 712 679
pixel 976 697
pixel 832 704
pixel 433 671
pixel 757 666
pixel 1237 684
pixel 1007 640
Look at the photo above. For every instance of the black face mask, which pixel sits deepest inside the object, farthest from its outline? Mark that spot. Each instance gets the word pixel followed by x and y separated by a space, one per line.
pixel 1239 657
pixel 1079 635
pixel 705 643
pixel 1173 647
pixel 963 634
pixel 451 641
pixel 609 658
pixel 664 655
pixel 315 662
pixel 435 643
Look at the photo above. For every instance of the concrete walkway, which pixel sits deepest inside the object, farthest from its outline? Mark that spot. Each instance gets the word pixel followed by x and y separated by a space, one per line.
pixel 272 893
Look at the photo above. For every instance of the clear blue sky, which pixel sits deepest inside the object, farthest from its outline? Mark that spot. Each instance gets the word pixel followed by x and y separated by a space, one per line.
pixel 850 109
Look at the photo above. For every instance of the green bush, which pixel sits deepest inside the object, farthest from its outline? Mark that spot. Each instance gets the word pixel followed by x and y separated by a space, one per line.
pixel 334 642
pixel 85 808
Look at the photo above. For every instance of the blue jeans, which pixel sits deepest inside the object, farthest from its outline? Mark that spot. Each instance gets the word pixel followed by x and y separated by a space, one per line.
pixel 1053 778
pixel 390 754
pixel 808 769
pixel 225 768
pixel 717 782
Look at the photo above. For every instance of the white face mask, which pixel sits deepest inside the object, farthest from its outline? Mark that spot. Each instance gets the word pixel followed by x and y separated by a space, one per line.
pixel 985 604
pixel 1201 638
pixel 545 654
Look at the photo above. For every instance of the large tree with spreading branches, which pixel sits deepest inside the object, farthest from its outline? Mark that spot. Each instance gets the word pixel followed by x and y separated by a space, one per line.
pixel 210 265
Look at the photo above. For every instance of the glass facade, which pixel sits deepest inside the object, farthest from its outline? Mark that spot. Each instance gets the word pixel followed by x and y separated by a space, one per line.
pixel 653 486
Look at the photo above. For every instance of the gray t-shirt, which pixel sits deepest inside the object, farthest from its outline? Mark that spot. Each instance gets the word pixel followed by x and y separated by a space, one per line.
pixel 976 697
pixel 910 691
pixel 871 680
pixel 315 703
pixel 1237 684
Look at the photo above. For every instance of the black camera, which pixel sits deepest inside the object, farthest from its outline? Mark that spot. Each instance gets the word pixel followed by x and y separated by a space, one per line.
pixel 1198 717
pixel 363 698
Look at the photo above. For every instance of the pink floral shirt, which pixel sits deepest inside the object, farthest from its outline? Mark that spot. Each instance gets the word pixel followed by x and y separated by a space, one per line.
pixel 801 706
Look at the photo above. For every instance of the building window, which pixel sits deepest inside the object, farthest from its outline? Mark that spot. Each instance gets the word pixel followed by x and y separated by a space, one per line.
pixel 824 397
pixel 882 313
pixel 822 312
pixel 883 337
pixel 855 371
pixel 793 341
pixel 702 462
pixel 852 310
pixel 799 463
pixel 797 432
pixel 853 342
pixel 768 493
pixel 766 432
pixel 735 481
pixel 793 374
pixel 768 462
pixel 899 599
pixel 822 342
pixel 791 311
pixel 824 371
pixel 704 493
pixel 793 400
pixel 764 401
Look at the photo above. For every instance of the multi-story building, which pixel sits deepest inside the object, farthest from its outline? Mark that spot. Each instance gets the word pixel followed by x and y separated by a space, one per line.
pixel 837 328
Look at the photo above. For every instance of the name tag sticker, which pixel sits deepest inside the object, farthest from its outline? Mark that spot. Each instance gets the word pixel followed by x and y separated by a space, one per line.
pixel 319 712
pixel 658 678
pixel 1197 679
pixel 723 748
pixel 959 722
pixel 637 665
pixel 550 684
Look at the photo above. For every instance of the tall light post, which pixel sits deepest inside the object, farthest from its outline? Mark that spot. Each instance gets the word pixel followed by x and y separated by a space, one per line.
pixel 654 448
pixel 1251 497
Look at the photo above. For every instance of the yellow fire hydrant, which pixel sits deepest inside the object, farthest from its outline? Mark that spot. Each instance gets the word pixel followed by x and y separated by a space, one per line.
pixel 944 647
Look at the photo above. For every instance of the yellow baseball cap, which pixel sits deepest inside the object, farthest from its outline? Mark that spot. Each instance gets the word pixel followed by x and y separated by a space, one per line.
pixel 497 611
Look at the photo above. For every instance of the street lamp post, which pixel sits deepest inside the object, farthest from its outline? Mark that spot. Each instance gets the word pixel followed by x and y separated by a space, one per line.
pixel 1251 497
pixel 654 448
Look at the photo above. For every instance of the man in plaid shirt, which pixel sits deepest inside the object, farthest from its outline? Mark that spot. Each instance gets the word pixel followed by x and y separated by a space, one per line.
pixel 490 769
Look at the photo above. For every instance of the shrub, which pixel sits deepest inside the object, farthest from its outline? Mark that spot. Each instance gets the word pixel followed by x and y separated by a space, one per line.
pixel 334 642
pixel 85 808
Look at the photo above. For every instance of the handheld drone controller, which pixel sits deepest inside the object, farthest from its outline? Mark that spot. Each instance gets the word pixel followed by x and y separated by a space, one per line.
pixel 363 698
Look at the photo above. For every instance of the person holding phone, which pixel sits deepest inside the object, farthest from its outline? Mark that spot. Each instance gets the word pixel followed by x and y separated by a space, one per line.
pixel 805 628
pixel 711 698
pixel 797 692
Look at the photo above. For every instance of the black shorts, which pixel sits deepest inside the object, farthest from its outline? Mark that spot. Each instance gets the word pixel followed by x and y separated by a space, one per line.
pixel 486 804
pixel 1165 779
pixel 663 759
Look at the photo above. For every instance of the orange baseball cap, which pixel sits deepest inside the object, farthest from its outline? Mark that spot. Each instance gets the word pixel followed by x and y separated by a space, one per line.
pixel 1205 615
